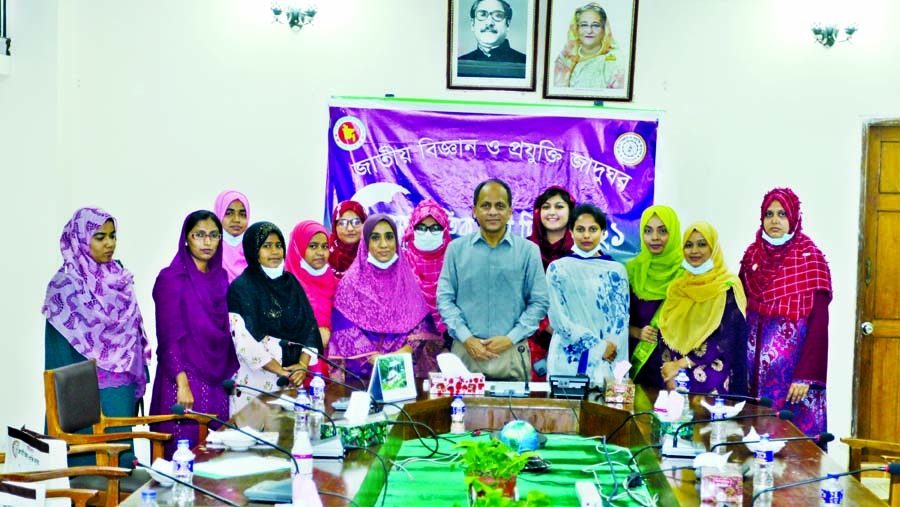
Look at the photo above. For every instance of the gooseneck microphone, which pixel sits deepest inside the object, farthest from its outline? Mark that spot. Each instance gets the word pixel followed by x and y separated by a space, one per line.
pixel 642 449
pixel 200 490
pixel 329 362
pixel 820 440
pixel 230 385
pixel 525 367
pixel 179 409
pixel 760 400
pixel 892 468
pixel 785 415
pixel 630 417
pixel 635 479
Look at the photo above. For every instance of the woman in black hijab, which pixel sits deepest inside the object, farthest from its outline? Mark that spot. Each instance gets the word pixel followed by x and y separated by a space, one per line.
pixel 266 305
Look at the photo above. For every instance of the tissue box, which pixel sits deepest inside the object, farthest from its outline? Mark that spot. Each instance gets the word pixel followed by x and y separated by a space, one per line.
pixel 722 486
pixel 451 385
pixel 619 392
pixel 365 435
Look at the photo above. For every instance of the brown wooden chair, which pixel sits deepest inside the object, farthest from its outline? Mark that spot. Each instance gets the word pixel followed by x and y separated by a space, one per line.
pixel 863 451
pixel 72 398
pixel 78 496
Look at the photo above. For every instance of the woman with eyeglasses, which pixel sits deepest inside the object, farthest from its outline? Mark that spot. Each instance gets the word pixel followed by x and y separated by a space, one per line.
pixel 233 209
pixel 346 229
pixel 268 307
pixel 379 307
pixel 589 59
pixel 194 352
pixel 424 244
pixel 92 314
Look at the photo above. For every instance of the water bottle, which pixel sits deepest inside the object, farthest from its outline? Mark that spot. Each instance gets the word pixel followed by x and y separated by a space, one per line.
pixel 458 415
pixel 148 498
pixel 765 459
pixel 683 386
pixel 317 394
pixel 832 491
pixel 183 468
pixel 717 436
pixel 302 469
pixel 301 413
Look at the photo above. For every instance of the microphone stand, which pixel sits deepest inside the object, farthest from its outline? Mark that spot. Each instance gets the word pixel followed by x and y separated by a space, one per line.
pixel 823 438
pixel 784 415
pixel 329 362
pixel 208 493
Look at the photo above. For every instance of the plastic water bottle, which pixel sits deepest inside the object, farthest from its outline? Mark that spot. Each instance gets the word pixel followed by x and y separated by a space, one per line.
pixel 683 386
pixel 717 436
pixel 458 415
pixel 832 491
pixel 765 459
pixel 183 468
pixel 301 413
pixel 148 498
pixel 302 471
pixel 317 393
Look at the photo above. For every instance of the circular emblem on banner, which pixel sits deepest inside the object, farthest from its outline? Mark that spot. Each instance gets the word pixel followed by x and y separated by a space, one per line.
pixel 349 133
pixel 630 149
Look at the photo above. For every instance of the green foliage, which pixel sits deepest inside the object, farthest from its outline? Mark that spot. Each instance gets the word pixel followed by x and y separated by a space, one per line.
pixel 491 458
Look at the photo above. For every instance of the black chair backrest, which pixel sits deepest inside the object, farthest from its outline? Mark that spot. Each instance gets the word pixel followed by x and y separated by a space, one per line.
pixel 77 396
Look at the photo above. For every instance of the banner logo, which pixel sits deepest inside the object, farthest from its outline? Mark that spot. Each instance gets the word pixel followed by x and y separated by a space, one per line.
pixel 349 133
pixel 630 149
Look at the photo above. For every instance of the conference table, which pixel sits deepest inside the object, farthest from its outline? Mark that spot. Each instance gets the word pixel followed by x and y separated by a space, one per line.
pixel 360 475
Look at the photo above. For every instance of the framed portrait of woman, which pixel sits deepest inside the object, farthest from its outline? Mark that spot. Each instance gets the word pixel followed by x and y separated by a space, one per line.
pixel 492 44
pixel 590 49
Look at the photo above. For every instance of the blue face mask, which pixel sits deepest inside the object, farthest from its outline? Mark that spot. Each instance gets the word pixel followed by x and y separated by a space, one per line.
pixel 383 265
pixel 428 241
pixel 706 267
pixel 777 241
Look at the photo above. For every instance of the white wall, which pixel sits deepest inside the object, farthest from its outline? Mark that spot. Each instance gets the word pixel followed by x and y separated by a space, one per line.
pixel 163 104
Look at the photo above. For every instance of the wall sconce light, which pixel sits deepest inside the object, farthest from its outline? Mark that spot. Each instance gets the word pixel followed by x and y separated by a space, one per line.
pixel 827 35
pixel 296 16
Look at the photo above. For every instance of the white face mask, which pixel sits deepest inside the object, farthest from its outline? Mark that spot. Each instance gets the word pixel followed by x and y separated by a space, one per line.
pixel 311 270
pixel 233 240
pixel 428 241
pixel 706 267
pixel 383 265
pixel 273 273
pixel 584 255
pixel 777 241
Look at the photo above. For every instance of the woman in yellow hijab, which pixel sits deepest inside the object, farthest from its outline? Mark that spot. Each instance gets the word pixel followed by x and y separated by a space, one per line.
pixel 702 321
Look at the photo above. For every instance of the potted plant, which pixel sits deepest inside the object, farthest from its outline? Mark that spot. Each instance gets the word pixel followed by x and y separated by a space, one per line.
pixel 492 497
pixel 493 464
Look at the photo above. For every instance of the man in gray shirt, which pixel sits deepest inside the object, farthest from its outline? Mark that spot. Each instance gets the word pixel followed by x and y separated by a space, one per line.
pixel 492 293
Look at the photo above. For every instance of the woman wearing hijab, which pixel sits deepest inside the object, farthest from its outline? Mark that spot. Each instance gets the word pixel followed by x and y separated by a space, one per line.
pixel 307 259
pixel 233 209
pixel 266 306
pixel 788 286
pixel 379 308
pixel 550 232
pixel 650 273
pixel 588 303
pixel 92 314
pixel 424 243
pixel 702 319
pixel 346 226
pixel 194 349
pixel 588 59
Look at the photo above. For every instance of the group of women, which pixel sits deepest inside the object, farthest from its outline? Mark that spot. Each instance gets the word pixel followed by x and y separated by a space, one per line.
pixel 242 302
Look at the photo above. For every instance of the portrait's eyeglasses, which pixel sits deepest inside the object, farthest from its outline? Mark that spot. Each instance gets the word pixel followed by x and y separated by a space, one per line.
pixel 432 228
pixel 200 236
pixel 594 26
pixel 497 16
pixel 345 222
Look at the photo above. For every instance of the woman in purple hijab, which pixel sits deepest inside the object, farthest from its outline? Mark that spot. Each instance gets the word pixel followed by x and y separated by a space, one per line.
pixel 379 307
pixel 195 352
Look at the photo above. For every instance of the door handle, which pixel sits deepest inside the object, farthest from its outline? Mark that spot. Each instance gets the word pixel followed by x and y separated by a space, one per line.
pixel 868 270
pixel 867 328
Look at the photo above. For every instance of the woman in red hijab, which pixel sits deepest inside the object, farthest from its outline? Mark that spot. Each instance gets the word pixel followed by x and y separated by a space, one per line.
pixel 346 230
pixel 788 286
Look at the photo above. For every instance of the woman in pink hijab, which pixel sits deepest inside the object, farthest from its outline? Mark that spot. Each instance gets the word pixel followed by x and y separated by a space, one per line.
pixel 307 259
pixel 233 209
pixel 424 243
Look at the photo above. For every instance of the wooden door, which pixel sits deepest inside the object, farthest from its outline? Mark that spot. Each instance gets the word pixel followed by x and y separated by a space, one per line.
pixel 878 347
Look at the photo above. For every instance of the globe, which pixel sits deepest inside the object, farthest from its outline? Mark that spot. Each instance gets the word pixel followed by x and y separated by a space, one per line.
pixel 519 435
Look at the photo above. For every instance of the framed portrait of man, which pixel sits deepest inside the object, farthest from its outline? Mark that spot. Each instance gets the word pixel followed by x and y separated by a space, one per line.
pixel 590 49
pixel 492 44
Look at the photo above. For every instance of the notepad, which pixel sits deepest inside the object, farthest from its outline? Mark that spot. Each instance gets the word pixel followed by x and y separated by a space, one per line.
pixel 237 467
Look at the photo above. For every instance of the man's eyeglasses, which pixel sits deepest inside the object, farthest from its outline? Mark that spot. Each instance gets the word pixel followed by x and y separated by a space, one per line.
pixel 497 16
pixel 200 236
pixel 345 222
pixel 432 228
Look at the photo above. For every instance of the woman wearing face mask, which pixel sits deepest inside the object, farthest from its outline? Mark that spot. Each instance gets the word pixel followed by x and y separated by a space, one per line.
pixel 346 227
pixel 92 313
pixel 307 259
pixel 267 305
pixel 195 353
pixel 586 340
pixel 424 243
pixel 233 209
pixel 650 273
pixel 702 319
pixel 788 285
pixel 379 307
pixel 550 232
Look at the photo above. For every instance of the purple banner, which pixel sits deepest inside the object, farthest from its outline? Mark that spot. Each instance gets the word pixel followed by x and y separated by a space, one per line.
pixel 390 159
